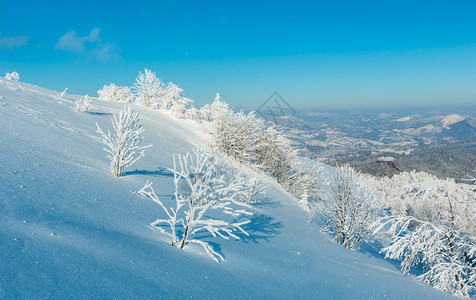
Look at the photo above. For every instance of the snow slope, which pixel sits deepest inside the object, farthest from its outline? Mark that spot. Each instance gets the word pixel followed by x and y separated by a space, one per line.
pixel 68 229
pixel 452 119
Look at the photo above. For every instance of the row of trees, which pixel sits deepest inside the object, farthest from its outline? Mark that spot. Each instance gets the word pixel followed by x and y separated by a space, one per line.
pixel 348 210
pixel 430 222
pixel 149 90
pixel 431 226
pixel 249 139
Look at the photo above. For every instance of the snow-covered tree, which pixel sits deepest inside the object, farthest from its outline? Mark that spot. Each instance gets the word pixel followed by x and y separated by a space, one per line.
pixel 202 186
pixel 116 93
pixel 13 76
pixel 446 256
pixel 432 227
pixel 183 108
pixel 220 124
pixel 152 92
pixel 280 160
pixel 266 148
pixel 172 93
pixel 246 136
pixel 210 112
pixel 82 104
pixel 149 89
pixel 427 198
pixel 306 182
pixel 123 146
pixel 249 140
pixel 350 208
pixel 192 114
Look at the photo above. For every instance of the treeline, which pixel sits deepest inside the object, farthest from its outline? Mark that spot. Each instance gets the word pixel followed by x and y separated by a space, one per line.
pixel 457 164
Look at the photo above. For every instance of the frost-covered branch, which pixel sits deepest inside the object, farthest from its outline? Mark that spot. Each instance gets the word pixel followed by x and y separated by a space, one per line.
pixel 60 95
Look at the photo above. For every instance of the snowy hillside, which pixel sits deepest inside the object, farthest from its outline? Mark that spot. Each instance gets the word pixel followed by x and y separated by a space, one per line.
pixel 69 229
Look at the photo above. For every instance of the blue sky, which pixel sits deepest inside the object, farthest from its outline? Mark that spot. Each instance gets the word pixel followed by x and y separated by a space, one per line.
pixel 320 55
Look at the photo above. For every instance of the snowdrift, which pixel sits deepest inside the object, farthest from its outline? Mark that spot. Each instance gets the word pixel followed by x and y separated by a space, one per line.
pixel 69 229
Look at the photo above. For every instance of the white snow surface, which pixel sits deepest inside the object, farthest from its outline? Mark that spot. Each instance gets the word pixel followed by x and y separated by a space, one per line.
pixel 69 229
pixel 404 119
pixel 452 119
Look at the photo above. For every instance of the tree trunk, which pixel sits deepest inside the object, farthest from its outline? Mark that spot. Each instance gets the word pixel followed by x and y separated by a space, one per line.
pixel 184 237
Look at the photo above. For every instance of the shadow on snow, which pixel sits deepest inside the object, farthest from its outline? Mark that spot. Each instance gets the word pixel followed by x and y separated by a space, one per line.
pixel 160 172
pixel 99 113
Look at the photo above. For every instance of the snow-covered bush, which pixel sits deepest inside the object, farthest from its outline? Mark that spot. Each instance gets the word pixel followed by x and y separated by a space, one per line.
pixel 116 93
pixel 201 187
pixel 149 89
pixel 82 104
pixel 123 147
pixel 446 256
pixel 350 208
pixel 13 76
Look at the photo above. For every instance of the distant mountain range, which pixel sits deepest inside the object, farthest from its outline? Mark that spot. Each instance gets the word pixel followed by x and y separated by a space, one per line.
pixel 385 143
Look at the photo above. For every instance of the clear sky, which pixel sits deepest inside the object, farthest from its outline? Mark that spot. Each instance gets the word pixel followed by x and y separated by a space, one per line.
pixel 316 54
